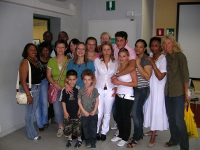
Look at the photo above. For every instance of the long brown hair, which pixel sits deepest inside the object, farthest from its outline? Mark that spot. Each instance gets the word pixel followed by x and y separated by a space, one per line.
pixel 76 56
pixel 101 57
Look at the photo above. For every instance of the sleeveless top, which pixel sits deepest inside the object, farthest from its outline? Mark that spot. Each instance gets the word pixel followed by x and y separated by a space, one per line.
pixel 35 75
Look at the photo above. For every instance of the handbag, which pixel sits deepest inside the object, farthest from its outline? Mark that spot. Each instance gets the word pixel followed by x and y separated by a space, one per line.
pixel 190 122
pixel 52 91
pixel 22 97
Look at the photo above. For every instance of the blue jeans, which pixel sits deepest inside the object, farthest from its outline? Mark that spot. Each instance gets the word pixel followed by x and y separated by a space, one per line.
pixel 89 125
pixel 30 112
pixel 41 113
pixel 141 95
pixel 175 114
pixel 123 107
pixel 58 111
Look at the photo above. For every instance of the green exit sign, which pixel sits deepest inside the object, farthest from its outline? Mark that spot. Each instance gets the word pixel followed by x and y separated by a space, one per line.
pixel 110 5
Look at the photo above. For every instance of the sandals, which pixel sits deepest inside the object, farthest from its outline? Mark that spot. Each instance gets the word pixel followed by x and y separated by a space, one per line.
pixel 132 144
pixel 170 144
pixel 78 144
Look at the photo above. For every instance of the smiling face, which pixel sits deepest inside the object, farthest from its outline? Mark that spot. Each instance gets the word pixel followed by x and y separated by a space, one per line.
pixel 139 48
pixel 155 47
pixel 60 49
pixel 91 45
pixel 168 46
pixel 80 51
pixel 72 47
pixel 121 42
pixel 71 80
pixel 105 38
pixel 45 52
pixel 31 51
pixel 123 56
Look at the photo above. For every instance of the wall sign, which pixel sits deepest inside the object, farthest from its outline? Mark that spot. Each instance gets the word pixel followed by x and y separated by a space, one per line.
pixel 110 5
pixel 160 32
pixel 170 31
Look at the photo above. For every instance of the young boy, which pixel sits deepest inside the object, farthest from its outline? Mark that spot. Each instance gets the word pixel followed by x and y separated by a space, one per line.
pixel 72 122
pixel 88 106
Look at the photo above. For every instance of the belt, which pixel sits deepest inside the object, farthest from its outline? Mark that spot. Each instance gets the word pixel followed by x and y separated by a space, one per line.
pixel 126 96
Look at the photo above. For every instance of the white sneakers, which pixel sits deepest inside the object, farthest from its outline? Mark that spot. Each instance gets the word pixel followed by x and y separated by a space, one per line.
pixel 115 139
pixel 114 127
pixel 121 143
pixel 60 132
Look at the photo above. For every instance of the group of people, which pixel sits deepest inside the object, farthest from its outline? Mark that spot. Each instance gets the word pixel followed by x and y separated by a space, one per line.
pixel 98 80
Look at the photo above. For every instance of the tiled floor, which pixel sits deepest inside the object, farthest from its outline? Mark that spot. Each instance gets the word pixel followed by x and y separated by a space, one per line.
pixel 18 141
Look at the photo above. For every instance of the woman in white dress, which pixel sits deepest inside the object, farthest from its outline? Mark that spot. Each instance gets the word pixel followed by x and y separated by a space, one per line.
pixel 106 67
pixel 155 115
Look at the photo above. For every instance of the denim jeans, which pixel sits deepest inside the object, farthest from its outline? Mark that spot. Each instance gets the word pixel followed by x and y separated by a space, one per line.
pixel 175 114
pixel 141 95
pixel 41 113
pixel 58 111
pixel 30 112
pixel 123 109
pixel 89 125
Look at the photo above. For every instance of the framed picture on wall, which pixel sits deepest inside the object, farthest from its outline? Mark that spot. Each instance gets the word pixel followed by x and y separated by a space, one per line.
pixel 36 41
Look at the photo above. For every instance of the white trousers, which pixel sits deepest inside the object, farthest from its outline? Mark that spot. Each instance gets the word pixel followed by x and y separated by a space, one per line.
pixel 104 109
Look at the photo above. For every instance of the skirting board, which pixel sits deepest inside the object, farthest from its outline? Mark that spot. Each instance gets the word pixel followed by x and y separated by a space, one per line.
pixel 4 133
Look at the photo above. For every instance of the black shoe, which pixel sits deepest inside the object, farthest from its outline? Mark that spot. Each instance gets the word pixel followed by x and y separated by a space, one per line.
pixel 98 137
pixel 93 146
pixel 88 145
pixel 69 143
pixel 78 144
pixel 103 137
pixel 41 129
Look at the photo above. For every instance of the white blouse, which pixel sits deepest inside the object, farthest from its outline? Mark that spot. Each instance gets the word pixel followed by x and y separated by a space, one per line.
pixel 103 75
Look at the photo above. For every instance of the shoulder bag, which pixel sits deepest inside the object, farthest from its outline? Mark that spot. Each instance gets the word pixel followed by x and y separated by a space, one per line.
pixel 22 97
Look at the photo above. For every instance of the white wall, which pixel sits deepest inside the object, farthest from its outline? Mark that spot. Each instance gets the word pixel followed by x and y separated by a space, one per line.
pixel 16 31
pixel 96 10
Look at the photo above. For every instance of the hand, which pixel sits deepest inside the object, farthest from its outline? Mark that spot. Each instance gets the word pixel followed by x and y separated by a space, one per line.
pixel 88 91
pixel 114 91
pixel 138 61
pixel 116 82
pixel 66 115
pixel 58 87
pixel 30 100
pixel 113 78
pixel 68 89
pixel 150 59
pixel 79 114
pixel 92 113
pixel 187 99
pixel 86 114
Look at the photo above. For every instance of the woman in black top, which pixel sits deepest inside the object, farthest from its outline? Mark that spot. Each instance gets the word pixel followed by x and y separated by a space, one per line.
pixel 42 108
pixel 30 54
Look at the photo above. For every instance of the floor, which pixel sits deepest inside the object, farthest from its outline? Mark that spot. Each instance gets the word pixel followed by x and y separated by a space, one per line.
pixel 18 141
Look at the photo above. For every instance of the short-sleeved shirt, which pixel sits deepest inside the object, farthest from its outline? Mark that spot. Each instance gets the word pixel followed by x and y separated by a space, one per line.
pixel 79 68
pixel 177 74
pixel 55 71
pixel 141 81
pixel 71 101
pixel 88 102
pixel 132 54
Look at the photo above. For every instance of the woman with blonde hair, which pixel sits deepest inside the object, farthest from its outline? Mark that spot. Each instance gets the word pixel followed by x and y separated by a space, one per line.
pixel 176 92
pixel 105 37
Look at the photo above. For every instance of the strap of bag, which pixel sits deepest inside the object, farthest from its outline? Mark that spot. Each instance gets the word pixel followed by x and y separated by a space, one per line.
pixel 61 73
pixel 29 78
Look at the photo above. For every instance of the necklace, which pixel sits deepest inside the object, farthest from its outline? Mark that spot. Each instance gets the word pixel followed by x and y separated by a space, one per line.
pixel 155 60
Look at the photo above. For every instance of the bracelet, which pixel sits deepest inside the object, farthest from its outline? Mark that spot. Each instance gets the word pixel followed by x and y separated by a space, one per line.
pixel 27 95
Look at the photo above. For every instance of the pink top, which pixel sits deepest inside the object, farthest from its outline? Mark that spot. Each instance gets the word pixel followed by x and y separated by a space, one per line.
pixel 130 50
pixel 97 55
